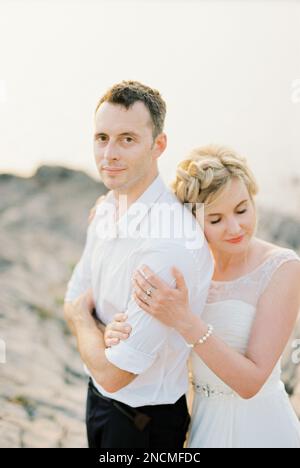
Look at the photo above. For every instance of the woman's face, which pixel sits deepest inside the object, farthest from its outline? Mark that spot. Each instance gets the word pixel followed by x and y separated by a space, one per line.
pixel 230 221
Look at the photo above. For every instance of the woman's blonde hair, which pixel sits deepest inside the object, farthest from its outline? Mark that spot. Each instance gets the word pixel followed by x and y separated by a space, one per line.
pixel 207 171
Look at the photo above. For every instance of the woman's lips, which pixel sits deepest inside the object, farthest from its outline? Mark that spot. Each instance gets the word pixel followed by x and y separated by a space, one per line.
pixel 236 240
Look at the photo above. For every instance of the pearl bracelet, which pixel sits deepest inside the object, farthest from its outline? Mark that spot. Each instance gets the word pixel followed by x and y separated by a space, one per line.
pixel 203 338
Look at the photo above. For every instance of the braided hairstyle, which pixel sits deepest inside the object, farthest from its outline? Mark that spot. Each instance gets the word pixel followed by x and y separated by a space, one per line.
pixel 207 171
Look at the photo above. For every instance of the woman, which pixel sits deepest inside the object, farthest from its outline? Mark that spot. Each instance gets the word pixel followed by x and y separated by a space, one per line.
pixel 251 310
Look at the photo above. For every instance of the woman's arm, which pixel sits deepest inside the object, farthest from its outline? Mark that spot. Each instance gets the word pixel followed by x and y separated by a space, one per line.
pixel 275 318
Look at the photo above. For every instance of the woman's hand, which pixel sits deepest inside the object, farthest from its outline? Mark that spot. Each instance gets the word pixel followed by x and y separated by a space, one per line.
pixel 117 330
pixel 170 306
pixel 94 209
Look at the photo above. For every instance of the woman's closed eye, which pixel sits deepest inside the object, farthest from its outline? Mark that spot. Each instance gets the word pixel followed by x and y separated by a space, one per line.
pixel 218 220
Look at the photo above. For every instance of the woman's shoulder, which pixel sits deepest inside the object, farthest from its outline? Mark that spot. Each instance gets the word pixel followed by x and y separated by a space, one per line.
pixel 272 252
pixel 283 261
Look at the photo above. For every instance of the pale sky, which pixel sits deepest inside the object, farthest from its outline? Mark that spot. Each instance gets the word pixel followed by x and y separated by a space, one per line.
pixel 228 70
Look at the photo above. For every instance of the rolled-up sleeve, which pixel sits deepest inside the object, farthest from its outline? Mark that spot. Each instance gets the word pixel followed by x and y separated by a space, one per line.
pixel 139 352
pixel 130 359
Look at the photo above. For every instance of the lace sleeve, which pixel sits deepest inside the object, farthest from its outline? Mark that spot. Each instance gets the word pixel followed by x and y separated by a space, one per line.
pixel 248 288
pixel 275 262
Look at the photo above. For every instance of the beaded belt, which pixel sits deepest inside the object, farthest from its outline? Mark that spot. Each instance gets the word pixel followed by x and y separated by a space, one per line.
pixel 208 391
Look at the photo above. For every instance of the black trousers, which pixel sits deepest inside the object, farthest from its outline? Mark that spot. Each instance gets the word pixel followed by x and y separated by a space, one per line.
pixel 111 424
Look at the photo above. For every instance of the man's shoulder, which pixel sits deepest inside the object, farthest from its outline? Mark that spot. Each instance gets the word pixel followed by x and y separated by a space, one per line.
pixel 161 255
pixel 170 219
pixel 177 250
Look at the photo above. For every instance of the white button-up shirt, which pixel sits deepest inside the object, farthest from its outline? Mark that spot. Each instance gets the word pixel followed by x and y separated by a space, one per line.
pixel 157 231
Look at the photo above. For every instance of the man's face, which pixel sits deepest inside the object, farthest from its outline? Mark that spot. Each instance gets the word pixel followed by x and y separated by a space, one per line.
pixel 124 149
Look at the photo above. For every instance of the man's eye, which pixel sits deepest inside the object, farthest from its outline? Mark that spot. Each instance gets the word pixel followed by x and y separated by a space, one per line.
pixel 101 138
pixel 128 139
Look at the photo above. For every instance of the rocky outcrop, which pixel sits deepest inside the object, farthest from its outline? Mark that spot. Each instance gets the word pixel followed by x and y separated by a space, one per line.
pixel 42 228
pixel 280 229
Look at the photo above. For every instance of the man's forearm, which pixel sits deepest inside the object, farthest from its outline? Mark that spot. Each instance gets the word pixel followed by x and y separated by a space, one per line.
pixel 91 347
pixel 68 312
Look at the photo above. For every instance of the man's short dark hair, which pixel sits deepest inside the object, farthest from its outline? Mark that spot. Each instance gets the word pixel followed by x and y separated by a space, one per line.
pixel 127 93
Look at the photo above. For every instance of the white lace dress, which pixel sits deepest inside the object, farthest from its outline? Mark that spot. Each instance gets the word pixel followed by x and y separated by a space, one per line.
pixel 221 418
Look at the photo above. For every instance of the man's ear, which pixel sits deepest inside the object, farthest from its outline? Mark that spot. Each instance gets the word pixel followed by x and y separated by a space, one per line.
pixel 160 144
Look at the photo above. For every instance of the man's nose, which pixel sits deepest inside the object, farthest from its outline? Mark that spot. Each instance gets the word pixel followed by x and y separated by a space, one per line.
pixel 111 153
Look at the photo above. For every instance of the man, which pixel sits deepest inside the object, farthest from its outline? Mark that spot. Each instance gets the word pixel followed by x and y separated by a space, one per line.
pixel 136 395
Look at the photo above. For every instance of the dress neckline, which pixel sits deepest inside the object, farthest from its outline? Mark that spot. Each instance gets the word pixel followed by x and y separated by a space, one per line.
pixel 277 251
